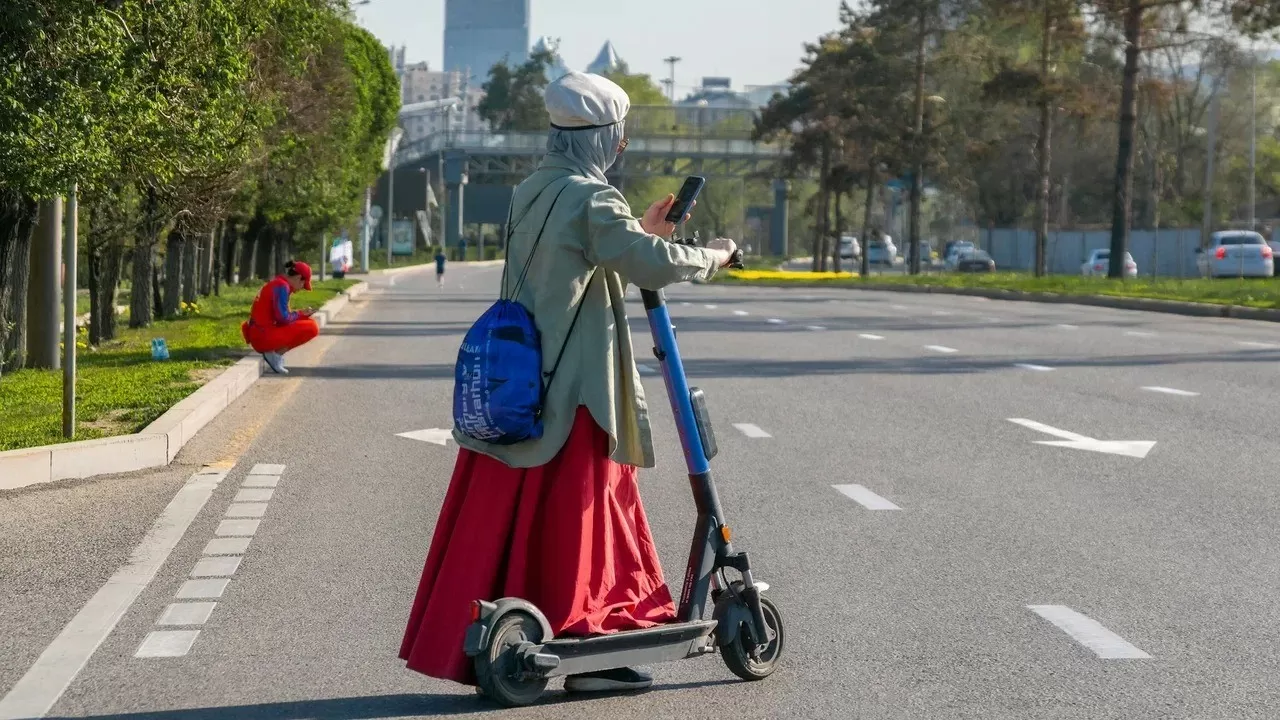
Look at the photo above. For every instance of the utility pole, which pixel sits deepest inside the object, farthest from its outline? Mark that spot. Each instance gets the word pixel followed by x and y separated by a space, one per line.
pixel 366 230
pixel 1211 149
pixel 44 287
pixel 391 199
pixel 671 81
pixel 69 317
pixel 1253 140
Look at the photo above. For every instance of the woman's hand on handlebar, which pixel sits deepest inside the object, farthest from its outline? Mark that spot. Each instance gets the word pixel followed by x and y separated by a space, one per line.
pixel 725 246
pixel 655 222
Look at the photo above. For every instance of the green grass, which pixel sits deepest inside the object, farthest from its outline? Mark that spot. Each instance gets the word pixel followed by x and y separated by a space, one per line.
pixel 119 388
pixel 1259 293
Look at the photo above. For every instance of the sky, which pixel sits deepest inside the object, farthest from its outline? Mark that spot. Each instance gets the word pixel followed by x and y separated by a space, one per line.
pixel 753 42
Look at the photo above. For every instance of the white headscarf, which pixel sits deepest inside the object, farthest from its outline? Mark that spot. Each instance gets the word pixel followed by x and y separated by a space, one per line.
pixel 588 117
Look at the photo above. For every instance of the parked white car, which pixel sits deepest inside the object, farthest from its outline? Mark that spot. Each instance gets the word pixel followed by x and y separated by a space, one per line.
pixel 1099 264
pixel 1236 253
pixel 849 248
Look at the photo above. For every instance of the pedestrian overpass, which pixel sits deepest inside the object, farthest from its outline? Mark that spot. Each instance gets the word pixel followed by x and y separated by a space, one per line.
pixel 476 171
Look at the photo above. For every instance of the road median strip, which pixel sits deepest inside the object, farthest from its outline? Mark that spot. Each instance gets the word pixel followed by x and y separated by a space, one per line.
pixel 157 444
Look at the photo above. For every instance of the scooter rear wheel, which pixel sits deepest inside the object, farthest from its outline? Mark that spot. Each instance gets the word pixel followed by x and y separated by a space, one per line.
pixel 497 666
pixel 738 654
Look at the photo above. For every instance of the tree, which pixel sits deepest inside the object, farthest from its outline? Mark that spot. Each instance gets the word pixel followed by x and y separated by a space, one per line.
pixel 513 96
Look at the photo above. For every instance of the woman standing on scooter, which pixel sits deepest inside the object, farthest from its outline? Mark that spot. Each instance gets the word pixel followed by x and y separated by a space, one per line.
pixel 558 520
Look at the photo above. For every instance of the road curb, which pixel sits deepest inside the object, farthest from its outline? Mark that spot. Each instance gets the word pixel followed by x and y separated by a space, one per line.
pixel 1172 307
pixel 158 443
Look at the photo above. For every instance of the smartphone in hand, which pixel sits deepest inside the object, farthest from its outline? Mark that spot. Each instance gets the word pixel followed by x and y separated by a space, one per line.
pixel 688 193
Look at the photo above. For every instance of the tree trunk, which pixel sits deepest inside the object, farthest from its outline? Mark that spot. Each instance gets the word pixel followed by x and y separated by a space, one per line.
pixel 249 249
pixel 1043 146
pixel 917 144
pixel 105 264
pixel 193 254
pixel 824 210
pixel 208 260
pixel 265 244
pixel 835 252
pixel 17 222
pixel 864 263
pixel 175 248
pixel 140 293
pixel 1123 198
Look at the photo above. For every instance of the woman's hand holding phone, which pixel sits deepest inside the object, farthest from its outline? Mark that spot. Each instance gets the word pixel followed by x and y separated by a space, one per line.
pixel 655 222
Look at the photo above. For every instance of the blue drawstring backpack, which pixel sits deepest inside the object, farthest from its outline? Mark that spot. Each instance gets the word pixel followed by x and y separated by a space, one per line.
pixel 499 387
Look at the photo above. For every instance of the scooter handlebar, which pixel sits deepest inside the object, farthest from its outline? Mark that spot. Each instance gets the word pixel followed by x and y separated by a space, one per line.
pixel 736 262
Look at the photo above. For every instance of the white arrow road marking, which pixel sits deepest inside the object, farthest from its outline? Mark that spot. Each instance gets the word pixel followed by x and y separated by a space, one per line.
pixel 437 436
pixel 941 349
pixel 751 431
pixel 1129 448
pixel 865 497
pixel 866 336
pixel 1029 366
pixel 1089 633
pixel 1171 391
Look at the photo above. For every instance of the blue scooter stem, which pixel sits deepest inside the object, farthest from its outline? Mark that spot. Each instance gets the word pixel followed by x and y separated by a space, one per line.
pixel 664 343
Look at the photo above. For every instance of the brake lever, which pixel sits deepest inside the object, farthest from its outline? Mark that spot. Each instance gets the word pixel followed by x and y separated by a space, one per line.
pixel 737 261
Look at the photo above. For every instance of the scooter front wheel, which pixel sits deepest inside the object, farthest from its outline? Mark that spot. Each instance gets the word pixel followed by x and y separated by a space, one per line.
pixel 740 655
pixel 498 667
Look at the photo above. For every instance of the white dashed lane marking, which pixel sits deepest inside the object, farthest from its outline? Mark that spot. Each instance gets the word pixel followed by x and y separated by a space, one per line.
pixel 219 566
pixel 867 336
pixel 751 431
pixel 1170 391
pixel 167 643
pixel 187 613
pixel 741 313
pixel 711 307
pixel 865 497
pixel 1262 345
pixel 203 589
pixel 1069 327
pixel 815 328
pixel 777 321
pixel 1139 333
pixel 227 546
pixel 941 349
pixel 1089 633
pixel 1036 368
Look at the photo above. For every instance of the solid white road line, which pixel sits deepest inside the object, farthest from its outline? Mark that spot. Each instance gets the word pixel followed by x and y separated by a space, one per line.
pixel 42 685
pixel 220 566
pixel 187 613
pixel 741 313
pixel 261 481
pixel 1249 343
pixel 266 469
pixel 202 589
pixel 1029 366
pixel 1088 632
pixel 1171 391
pixel 237 528
pixel 866 336
pixel 751 431
pixel 227 546
pixel 167 643
pixel 941 349
pixel 865 497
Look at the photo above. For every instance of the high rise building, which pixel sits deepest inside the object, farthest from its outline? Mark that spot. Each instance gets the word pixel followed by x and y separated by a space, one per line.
pixel 480 33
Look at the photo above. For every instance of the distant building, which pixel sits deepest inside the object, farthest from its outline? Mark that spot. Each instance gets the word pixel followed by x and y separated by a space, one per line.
pixel 421 84
pixel 557 69
pixel 607 61
pixel 479 34
pixel 714 103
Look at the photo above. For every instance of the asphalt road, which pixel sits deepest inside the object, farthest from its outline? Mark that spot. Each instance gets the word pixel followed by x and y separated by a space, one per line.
pixel 931 558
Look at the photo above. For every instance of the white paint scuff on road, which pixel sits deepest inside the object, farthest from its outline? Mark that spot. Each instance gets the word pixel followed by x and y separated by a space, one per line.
pixel 1130 448
pixel 37 691
pixel 751 431
pixel 941 349
pixel 435 436
pixel 866 336
pixel 1036 368
pixel 1170 391
pixel 1089 633
pixel 865 497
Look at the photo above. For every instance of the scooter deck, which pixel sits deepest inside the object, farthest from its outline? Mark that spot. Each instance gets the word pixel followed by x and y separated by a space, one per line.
pixel 664 643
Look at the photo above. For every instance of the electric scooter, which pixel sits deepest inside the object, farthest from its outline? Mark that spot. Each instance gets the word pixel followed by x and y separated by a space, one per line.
pixel 513 647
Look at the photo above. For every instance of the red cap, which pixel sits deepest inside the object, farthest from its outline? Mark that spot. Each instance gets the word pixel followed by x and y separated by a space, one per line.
pixel 304 271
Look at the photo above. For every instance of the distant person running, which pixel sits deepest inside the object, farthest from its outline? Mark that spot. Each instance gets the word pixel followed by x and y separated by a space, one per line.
pixel 440 259
pixel 273 329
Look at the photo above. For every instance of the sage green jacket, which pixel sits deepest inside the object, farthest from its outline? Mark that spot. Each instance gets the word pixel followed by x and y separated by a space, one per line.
pixel 591 228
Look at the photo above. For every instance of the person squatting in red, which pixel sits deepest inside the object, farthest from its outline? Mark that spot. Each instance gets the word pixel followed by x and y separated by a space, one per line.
pixel 273 329
pixel 558 521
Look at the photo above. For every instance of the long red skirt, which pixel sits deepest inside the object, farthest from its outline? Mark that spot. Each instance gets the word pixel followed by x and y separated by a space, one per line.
pixel 571 537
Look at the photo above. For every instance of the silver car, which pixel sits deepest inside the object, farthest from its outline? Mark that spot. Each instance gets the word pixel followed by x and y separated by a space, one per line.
pixel 1236 253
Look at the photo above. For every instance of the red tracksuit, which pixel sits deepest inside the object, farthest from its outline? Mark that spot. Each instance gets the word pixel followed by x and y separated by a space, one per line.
pixel 272 326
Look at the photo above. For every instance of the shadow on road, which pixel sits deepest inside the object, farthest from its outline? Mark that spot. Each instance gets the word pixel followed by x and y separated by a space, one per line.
pixel 370 707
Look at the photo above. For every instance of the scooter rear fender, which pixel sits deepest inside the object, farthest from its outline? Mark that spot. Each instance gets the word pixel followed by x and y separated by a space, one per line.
pixel 477 639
